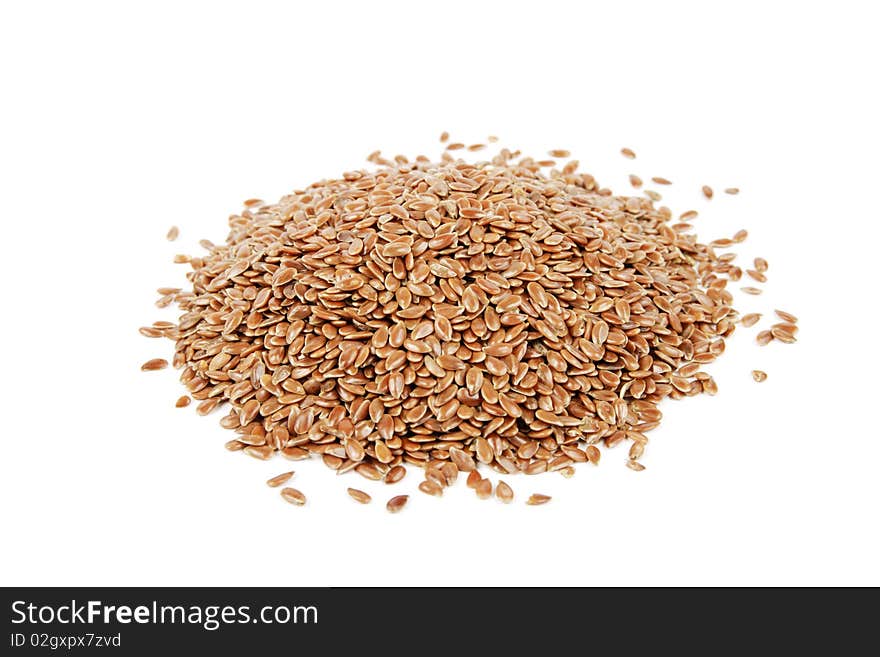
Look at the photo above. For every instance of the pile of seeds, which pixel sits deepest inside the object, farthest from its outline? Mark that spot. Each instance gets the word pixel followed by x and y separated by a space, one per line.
pixel 447 314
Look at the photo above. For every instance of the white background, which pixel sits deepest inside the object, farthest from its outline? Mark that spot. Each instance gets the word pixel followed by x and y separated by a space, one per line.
pixel 121 119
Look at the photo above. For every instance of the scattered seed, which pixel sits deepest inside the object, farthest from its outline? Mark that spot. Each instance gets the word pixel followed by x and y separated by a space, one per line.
pixel 626 152
pixel 504 492
pixel 635 465
pixel 751 319
pixel 661 181
pixel 635 181
pixel 359 496
pixel 756 275
pixel 731 190
pixel 277 480
pixel 788 317
pixel 173 232
pixel 395 474
pixel 707 192
pixel 751 290
pixel 483 489
pixel 182 401
pixel 444 137
pixel 430 488
pixel 761 265
pixel 154 364
pixel 689 215
pixel 396 503
pixel 473 479
pixel 293 496
pixel 538 498
pixel 764 338
pixel 759 376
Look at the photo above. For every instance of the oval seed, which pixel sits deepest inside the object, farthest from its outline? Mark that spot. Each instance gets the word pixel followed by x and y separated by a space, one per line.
pixel 536 499
pixel 293 496
pixel 396 503
pixel 359 496
pixel 277 480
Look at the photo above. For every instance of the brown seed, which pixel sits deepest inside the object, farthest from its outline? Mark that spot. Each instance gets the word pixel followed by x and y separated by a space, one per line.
pixel 751 319
pixel 396 503
pixel 277 480
pixel 763 338
pixel 756 275
pixel 444 137
pixel 661 181
pixel 463 461
pixel 430 488
pixel 751 290
pixel 536 499
pixel 154 364
pixel 473 479
pixel 504 492
pixel 635 181
pixel 395 474
pixel 182 401
pixel 783 335
pixel 635 465
pixel 173 232
pixel 788 317
pixel 731 190
pixel 759 376
pixel 707 192
pixel 359 496
pixel 628 153
pixel 483 489
pixel 443 313
pixel 484 451
pixel 293 496
pixel 558 152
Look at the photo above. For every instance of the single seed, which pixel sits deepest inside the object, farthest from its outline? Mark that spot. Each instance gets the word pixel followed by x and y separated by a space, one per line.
pixel 172 234
pixel 628 153
pixel 483 489
pixel 707 192
pixel 635 181
pixel 731 190
pixel 277 480
pixel 293 496
pixel 558 152
pixel 359 496
pixel 536 499
pixel 661 181
pixel 473 479
pixel 430 488
pixel 761 265
pixel 756 275
pixel 635 465
pixel 504 492
pixel 751 290
pixel 759 376
pixel 788 317
pixel 396 503
pixel 154 364
pixel 764 338
pixel 395 474
pixel 182 401
pixel 751 319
